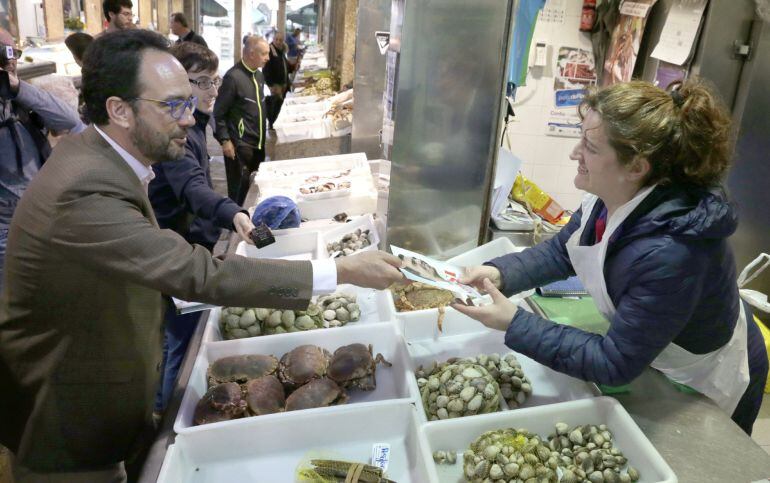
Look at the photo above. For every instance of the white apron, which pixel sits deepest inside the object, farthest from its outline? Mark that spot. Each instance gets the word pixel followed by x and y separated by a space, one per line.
pixel 721 375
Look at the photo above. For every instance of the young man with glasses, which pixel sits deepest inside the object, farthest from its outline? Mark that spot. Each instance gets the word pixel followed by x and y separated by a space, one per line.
pixel 119 14
pixel 184 200
pixel 82 313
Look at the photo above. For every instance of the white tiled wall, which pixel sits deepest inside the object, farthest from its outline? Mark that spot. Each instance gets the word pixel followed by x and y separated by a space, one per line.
pixel 546 158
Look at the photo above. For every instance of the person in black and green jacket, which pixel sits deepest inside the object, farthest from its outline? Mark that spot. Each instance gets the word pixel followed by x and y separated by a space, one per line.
pixel 240 116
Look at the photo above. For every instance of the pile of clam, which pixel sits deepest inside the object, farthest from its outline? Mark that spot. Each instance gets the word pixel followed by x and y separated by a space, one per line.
pixel 338 309
pixel 329 311
pixel 305 377
pixel 588 454
pixel 350 243
pixel 510 455
pixel 505 371
pixel 515 387
pixel 457 389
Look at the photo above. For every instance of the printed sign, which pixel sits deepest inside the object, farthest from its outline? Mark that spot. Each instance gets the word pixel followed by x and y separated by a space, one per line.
pixel 420 268
pixel 569 97
pixel 383 41
pixel 635 9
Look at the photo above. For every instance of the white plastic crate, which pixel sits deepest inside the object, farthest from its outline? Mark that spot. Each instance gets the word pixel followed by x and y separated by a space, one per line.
pixel 321 225
pixel 363 223
pixel 422 324
pixel 361 200
pixel 457 435
pixel 392 383
pixel 269 451
pixel 548 386
pixel 300 246
pixel 366 298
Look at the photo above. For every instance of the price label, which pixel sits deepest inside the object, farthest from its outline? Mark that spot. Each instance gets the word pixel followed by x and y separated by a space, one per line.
pixel 381 455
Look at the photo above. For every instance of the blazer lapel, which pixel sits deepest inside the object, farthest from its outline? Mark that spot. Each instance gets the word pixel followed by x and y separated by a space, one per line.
pixel 134 185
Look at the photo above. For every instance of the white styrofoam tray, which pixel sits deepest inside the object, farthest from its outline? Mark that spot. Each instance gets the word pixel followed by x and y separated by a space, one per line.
pixel 366 298
pixel 320 165
pixel 422 324
pixel 269 451
pixel 548 386
pixel 324 195
pixel 292 100
pixel 458 434
pixel 299 246
pixel 366 222
pixel 305 108
pixel 392 383
pixel 301 130
pixel 298 117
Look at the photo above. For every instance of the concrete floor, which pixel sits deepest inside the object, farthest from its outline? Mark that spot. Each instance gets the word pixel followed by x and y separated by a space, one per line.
pixel 761 432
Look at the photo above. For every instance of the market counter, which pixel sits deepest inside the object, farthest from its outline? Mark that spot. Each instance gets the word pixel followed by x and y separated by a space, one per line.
pixel 696 438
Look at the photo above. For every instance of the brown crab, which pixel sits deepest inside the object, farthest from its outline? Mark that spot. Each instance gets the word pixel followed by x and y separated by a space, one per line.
pixel 264 395
pixel 222 402
pixel 317 393
pixel 419 296
pixel 353 366
pixel 241 368
pixel 303 364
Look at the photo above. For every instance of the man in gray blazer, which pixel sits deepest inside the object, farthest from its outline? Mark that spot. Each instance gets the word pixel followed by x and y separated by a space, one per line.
pixel 80 318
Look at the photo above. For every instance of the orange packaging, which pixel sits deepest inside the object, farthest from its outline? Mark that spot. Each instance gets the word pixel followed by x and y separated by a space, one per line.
pixel 541 203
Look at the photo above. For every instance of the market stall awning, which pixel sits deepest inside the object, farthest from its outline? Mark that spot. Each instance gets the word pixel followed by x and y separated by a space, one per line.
pixel 307 15
pixel 211 8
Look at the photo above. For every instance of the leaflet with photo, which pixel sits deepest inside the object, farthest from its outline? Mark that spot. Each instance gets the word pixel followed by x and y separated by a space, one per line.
pixel 420 268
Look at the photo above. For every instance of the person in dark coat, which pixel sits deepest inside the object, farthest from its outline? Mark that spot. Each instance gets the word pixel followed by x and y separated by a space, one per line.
pixel 183 199
pixel 240 117
pixel 276 72
pixel 181 28
pixel 650 245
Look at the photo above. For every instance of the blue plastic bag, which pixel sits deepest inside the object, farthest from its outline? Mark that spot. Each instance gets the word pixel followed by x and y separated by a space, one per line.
pixel 277 212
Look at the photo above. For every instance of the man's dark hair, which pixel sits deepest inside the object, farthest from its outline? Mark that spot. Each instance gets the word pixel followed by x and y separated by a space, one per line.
pixel 195 57
pixel 112 66
pixel 77 43
pixel 179 17
pixel 114 6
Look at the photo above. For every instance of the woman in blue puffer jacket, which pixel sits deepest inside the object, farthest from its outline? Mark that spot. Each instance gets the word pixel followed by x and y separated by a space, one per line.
pixel 649 243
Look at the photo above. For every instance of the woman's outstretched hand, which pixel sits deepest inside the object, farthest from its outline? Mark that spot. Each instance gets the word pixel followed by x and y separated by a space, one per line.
pixel 498 315
pixel 475 276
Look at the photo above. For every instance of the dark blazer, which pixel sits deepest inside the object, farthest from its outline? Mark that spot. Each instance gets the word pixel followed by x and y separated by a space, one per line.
pixel 192 37
pixel 276 70
pixel 183 195
pixel 81 314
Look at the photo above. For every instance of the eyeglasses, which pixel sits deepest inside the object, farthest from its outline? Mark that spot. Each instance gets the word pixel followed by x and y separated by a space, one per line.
pixel 176 107
pixel 204 83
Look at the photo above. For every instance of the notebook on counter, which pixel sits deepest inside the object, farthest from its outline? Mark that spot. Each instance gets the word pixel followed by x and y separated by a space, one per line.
pixel 571 287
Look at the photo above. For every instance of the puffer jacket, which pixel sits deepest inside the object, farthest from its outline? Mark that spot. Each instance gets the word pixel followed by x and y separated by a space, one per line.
pixel 669 272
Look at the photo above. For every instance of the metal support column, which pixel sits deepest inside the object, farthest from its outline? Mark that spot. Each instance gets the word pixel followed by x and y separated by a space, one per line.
pixel 280 21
